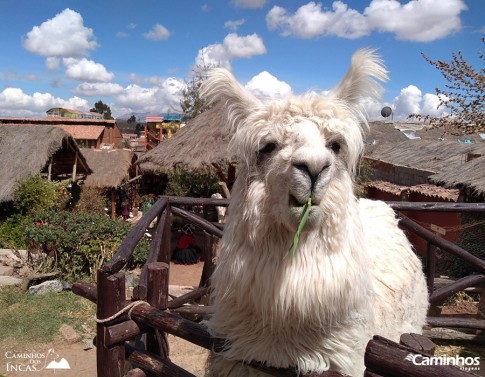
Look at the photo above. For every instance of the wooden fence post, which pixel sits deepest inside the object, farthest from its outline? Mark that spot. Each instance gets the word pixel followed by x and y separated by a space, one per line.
pixel 208 257
pixel 111 297
pixel 165 253
pixel 157 297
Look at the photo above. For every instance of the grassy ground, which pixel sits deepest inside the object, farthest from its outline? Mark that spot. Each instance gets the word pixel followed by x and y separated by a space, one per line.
pixel 37 318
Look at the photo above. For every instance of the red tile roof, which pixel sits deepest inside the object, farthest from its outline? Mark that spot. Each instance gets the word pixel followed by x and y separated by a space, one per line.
pixel 83 132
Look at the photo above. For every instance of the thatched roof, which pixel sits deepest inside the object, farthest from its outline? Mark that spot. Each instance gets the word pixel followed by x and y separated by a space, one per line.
pixel 110 167
pixel 391 132
pixel 198 145
pixel 467 175
pixel 424 154
pixel 26 151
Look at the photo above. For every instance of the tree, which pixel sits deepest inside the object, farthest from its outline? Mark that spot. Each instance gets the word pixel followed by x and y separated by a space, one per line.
pixel 139 128
pixel 192 103
pixel 132 119
pixel 101 108
pixel 464 96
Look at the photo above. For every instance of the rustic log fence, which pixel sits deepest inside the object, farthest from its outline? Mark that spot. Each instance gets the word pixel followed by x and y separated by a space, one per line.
pixel 150 315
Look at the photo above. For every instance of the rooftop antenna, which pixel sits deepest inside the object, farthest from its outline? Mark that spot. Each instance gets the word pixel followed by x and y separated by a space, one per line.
pixel 386 112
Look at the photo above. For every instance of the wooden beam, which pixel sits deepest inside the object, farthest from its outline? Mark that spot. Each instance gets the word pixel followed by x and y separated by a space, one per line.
pixel 128 244
pixel 443 244
pixel 49 170
pixel 113 203
pixel 74 167
pixel 436 207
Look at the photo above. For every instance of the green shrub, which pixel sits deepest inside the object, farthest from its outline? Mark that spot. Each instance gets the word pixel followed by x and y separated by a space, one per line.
pixel 31 196
pixel 12 231
pixel 35 194
pixel 182 182
pixel 78 243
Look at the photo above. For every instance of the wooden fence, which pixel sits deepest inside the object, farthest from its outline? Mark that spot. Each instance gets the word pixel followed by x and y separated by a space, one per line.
pixel 131 334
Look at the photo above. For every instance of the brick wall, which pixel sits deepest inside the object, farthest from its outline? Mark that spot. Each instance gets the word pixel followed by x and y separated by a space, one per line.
pixel 397 174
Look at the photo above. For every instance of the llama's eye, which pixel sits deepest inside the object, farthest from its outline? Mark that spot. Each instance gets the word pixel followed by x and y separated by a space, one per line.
pixel 335 146
pixel 267 149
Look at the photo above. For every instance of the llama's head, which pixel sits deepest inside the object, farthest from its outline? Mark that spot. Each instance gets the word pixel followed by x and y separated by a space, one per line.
pixel 304 146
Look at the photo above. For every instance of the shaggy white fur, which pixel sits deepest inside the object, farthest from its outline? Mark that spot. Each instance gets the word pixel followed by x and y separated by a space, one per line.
pixel 354 273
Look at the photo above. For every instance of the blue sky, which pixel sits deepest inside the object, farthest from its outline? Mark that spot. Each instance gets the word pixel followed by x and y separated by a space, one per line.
pixel 137 55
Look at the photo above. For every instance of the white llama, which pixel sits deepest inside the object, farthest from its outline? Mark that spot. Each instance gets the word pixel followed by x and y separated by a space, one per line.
pixel 354 273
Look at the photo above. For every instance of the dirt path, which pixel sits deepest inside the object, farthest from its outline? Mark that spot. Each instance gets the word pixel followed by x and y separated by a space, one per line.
pixel 19 360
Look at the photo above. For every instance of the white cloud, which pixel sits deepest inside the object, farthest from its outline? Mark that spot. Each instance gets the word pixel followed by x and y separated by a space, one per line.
pixel 417 20
pixel 253 4
pixel 52 63
pixel 430 105
pixel 267 87
pixel 233 47
pixel 234 24
pixel 15 76
pixel 157 33
pixel 372 108
pixel 103 89
pixel 156 99
pixel 309 21
pixel 408 101
pixel 171 84
pixel 87 70
pixel 15 103
pixel 64 35
pixel 131 26
pixel 121 34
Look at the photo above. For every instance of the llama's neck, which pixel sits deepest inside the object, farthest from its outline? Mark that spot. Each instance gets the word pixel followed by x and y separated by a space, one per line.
pixel 327 264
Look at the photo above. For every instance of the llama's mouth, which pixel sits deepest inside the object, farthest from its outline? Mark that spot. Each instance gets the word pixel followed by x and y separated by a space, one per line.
pixel 294 202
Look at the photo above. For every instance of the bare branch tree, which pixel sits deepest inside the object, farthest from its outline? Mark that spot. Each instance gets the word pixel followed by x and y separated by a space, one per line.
pixel 192 104
pixel 464 96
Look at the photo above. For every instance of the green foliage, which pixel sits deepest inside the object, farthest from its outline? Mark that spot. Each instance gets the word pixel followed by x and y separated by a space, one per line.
pixel 140 255
pixel 12 232
pixel 34 195
pixel 182 182
pixel 31 196
pixel 102 108
pixel 139 128
pixel 132 119
pixel 78 243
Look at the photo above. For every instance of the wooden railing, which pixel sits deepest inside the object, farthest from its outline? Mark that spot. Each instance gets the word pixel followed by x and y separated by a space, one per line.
pixel 152 314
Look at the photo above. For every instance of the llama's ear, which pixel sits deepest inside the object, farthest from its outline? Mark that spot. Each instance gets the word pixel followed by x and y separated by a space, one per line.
pixel 222 87
pixel 360 80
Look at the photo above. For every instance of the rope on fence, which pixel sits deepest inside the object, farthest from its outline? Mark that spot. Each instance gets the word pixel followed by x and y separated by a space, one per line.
pixel 128 308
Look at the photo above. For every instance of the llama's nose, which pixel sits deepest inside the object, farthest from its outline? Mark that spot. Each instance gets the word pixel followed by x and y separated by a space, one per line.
pixel 312 171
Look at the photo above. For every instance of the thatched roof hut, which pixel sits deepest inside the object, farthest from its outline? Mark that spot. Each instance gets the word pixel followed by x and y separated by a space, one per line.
pixel 110 167
pixel 28 150
pixel 200 145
